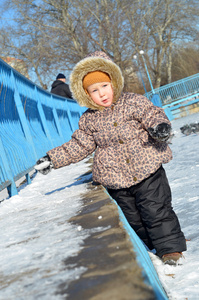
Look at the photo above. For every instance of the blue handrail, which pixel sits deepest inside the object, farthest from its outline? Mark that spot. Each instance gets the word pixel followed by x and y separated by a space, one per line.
pixel 177 90
pixel 32 122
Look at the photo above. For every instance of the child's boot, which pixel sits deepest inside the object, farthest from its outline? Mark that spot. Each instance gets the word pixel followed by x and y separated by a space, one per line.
pixel 171 258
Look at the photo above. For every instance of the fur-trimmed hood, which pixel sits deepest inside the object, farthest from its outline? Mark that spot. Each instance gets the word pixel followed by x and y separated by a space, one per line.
pixel 97 61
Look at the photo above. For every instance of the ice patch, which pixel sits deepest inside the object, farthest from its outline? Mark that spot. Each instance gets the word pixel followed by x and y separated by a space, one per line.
pixel 193 199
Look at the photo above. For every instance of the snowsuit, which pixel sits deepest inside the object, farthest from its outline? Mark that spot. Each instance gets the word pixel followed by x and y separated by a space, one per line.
pixel 62 89
pixel 127 161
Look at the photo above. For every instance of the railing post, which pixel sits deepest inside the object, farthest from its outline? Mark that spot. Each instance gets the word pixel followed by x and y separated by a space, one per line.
pixel 69 116
pixel 168 113
pixel 42 116
pixel 12 189
pixel 54 111
pixel 22 115
pixel 28 178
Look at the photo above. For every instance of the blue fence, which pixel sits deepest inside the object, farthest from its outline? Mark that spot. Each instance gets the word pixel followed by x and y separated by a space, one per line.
pixel 179 98
pixel 177 90
pixel 32 122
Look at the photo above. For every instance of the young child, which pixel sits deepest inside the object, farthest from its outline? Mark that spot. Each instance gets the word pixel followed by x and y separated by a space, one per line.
pixel 128 135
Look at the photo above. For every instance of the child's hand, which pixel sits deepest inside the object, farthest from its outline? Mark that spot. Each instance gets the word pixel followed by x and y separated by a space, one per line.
pixel 161 132
pixel 44 165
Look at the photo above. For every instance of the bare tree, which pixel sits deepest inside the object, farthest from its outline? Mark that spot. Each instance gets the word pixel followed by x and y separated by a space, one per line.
pixel 53 35
pixel 185 61
pixel 160 25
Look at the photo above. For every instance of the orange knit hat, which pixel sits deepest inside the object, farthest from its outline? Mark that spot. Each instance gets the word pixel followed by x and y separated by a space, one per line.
pixel 94 77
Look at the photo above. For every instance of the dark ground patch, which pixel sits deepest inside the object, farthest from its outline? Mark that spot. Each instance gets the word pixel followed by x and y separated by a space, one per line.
pixel 112 270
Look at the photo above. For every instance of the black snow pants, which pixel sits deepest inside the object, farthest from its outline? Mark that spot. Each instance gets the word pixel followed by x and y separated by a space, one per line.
pixel 147 208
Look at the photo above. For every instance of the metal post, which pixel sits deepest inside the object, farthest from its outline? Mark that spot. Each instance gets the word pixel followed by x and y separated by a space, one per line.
pixel 142 52
pixel 135 58
pixel 11 188
pixel 22 116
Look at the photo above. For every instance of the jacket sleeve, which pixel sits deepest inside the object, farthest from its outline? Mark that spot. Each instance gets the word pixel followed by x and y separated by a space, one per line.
pixel 146 113
pixel 67 91
pixel 79 147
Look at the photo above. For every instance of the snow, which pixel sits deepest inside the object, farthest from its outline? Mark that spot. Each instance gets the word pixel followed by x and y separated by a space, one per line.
pixel 182 282
pixel 36 236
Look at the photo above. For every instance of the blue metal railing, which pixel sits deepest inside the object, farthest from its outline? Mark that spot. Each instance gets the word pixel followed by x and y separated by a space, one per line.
pixel 148 270
pixel 176 90
pixel 32 121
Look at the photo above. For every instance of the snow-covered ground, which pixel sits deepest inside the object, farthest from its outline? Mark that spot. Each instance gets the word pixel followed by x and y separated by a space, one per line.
pixel 182 282
pixel 36 236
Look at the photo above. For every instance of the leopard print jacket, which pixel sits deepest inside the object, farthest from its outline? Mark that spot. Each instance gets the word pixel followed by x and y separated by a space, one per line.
pixel 124 152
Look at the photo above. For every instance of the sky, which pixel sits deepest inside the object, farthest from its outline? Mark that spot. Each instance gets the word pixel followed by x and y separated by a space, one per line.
pixel 6 17
pixel 36 234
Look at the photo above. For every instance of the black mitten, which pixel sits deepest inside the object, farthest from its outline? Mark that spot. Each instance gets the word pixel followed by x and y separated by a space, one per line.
pixel 161 132
pixel 44 165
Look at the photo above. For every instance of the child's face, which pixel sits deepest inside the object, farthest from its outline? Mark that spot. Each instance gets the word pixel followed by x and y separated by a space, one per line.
pixel 101 93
